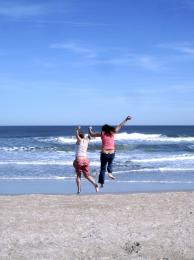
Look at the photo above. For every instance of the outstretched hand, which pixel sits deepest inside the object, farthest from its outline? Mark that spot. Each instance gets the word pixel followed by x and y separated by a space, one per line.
pixel 128 118
pixel 78 128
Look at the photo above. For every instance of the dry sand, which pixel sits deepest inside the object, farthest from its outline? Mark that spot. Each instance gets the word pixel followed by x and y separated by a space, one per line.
pixel 128 226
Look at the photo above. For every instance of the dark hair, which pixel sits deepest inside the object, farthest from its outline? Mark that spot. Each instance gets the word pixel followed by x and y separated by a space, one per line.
pixel 109 130
pixel 81 135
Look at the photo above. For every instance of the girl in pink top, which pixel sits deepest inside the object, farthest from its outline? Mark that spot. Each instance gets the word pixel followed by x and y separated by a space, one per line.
pixel 108 148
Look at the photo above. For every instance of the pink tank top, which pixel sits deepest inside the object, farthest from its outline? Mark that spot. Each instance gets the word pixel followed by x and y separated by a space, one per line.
pixel 107 141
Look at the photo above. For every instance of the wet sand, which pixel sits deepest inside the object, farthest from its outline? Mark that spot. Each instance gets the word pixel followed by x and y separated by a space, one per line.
pixel 109 226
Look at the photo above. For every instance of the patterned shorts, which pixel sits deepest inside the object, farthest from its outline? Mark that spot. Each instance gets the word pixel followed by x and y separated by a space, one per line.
pixel 82 165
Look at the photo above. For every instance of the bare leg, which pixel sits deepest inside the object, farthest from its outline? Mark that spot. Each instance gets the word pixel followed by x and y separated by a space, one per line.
pixel 90 179
pixel 78 182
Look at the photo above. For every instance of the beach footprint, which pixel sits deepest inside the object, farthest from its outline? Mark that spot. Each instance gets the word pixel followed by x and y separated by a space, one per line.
pixel 132 248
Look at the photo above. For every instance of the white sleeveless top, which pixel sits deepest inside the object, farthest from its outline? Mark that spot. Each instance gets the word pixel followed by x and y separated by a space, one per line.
pixel 81 148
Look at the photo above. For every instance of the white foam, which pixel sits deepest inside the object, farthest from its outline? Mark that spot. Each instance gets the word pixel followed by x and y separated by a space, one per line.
pixel 162 169
pixel 137 136
pixel 152 138
pixel 60 139
pixel 163 159
pixel 67 163
pixel 17 148
pixel 153 181
pixel 117 181
pixel 124 136
pixel 38 178
pixel 66 140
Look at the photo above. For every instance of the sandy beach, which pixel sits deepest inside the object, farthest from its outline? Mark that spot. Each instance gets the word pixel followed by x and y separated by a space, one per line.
pixel 121 226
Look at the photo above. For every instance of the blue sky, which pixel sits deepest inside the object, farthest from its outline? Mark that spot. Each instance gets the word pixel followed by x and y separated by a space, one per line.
pixel 96 61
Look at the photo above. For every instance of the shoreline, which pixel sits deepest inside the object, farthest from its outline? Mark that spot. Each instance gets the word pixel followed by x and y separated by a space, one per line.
pixel 97 193
pixel 112 226
pixel 60 187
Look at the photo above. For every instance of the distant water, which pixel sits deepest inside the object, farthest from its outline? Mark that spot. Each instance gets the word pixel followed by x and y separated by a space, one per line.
pixel 144 155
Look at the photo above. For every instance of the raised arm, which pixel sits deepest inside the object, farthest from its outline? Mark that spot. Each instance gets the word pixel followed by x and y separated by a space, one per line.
pixel 93 134
pixel 118 127
pixel 77 131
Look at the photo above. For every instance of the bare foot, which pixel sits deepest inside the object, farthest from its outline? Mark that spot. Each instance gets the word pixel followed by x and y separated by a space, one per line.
pixel 96 187
pixel 111 176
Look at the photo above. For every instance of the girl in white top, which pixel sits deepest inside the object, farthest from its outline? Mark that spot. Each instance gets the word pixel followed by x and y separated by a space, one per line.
pixel 81 162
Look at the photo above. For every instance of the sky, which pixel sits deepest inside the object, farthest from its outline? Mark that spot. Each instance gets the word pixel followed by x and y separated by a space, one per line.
pixel 72 62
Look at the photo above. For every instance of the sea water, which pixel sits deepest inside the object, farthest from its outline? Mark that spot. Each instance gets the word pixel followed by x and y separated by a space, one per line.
pixel 38 159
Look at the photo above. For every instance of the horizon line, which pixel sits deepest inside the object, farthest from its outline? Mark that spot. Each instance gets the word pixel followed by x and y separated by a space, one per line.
pixel 95 125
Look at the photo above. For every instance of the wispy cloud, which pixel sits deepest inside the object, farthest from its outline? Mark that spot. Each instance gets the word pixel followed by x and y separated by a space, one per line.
pixel 189 3
pixel 75 48
pixel 147 62
pixel 94 56
pixel 181 47
pixel 182 87
pixel 144 61
pixel 20 11
pixel 73 23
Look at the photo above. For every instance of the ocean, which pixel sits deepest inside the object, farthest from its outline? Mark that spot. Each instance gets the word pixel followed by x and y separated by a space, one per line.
pixel 38 159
